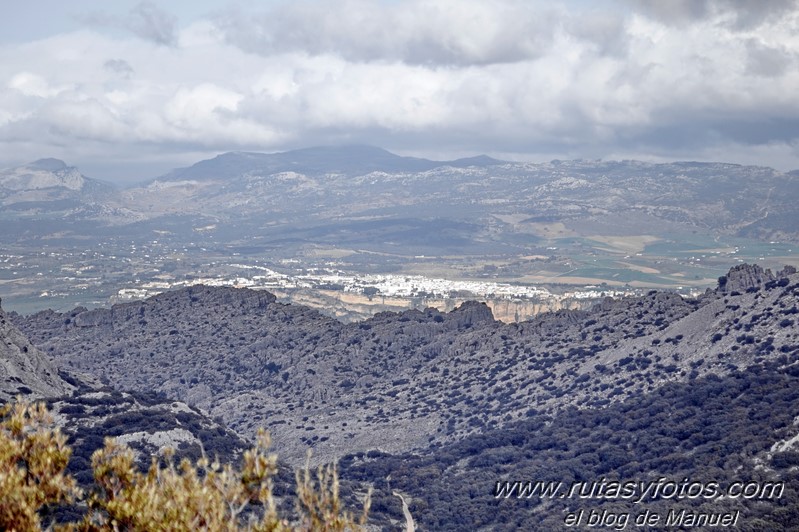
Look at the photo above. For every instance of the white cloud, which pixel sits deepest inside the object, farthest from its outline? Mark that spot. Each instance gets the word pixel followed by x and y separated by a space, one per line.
pixel 443 32
pixel 201 104
pixel 438 76
pixel 31 84
pixel 734 14
pixel 120 67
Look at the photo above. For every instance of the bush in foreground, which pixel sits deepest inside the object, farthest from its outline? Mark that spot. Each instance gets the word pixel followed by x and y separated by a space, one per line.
pixel 205 495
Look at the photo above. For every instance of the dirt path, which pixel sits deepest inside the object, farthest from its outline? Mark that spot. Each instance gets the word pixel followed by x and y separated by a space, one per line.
pixel 409 524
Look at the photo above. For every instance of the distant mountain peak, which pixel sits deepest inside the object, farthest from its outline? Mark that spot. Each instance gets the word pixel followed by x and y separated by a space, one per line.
pixel 48 164
pixel 478 160
pixel 42 174
pixel 352 159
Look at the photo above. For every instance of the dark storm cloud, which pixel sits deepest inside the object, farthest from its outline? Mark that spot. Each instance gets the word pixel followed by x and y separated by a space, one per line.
pixel 676 130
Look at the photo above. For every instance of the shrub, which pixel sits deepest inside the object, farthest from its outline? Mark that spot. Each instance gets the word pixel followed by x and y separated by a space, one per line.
pixel 190 496
pixel 33 459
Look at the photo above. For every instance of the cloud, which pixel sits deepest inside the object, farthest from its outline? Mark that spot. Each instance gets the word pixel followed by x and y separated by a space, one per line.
pixel 119 66
pixel 466 77
pixel 767 61
pixel 151 23
pixel 145 20
pixel 31 84
pixel 605 30
pixel 737 14
pixel 446 32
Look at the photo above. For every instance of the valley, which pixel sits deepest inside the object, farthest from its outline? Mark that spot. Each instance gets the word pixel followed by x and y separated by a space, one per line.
pixel 436 327
pixel 380 266
pixel 398 381
pixel 442 406
pixel 555 230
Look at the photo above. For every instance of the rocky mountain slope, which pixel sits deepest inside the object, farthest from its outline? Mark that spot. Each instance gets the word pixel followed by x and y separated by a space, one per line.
pixel 48 180
pixel 404 381
pixel 708 433
pixel 24 370
pixel 148 423
pixel 48 195
pixel 89 412
pixel 42 174
pixel 441 407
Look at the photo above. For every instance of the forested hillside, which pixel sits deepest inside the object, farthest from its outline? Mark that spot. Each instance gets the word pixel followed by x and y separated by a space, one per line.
pixel 398 382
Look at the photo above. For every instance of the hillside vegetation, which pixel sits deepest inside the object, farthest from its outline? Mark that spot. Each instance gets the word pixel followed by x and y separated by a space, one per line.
pixel 398 382
pixel 205 495
pixel 440 410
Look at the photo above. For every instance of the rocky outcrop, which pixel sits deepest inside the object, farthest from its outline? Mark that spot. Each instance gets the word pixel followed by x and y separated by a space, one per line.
pixel 198 295
pixel 42 174
pixel 472 312
pixel 24 370
pixel 148 423
pixel 744 277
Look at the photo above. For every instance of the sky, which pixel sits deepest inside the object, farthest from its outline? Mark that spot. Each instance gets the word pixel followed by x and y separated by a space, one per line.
pixel 128 90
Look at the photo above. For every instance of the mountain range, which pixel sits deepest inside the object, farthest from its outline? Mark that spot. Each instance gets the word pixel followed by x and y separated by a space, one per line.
pixel 441 407
pixel 360 210
pixel 320 192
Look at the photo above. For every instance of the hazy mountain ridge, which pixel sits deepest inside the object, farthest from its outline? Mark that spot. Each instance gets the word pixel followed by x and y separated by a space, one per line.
pixel 729 198
pixel 581 223
pixel 402 381
pixel 44 173
pixel 318 161
pixel 49 189
pixel 316 186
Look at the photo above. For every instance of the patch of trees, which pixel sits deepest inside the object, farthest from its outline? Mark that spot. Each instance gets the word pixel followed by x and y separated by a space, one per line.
pixel 705 429
pixel 201 494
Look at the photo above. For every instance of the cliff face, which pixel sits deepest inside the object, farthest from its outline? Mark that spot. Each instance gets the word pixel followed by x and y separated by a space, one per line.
pixel 352 307
pixel 24 370
pixel 745 277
